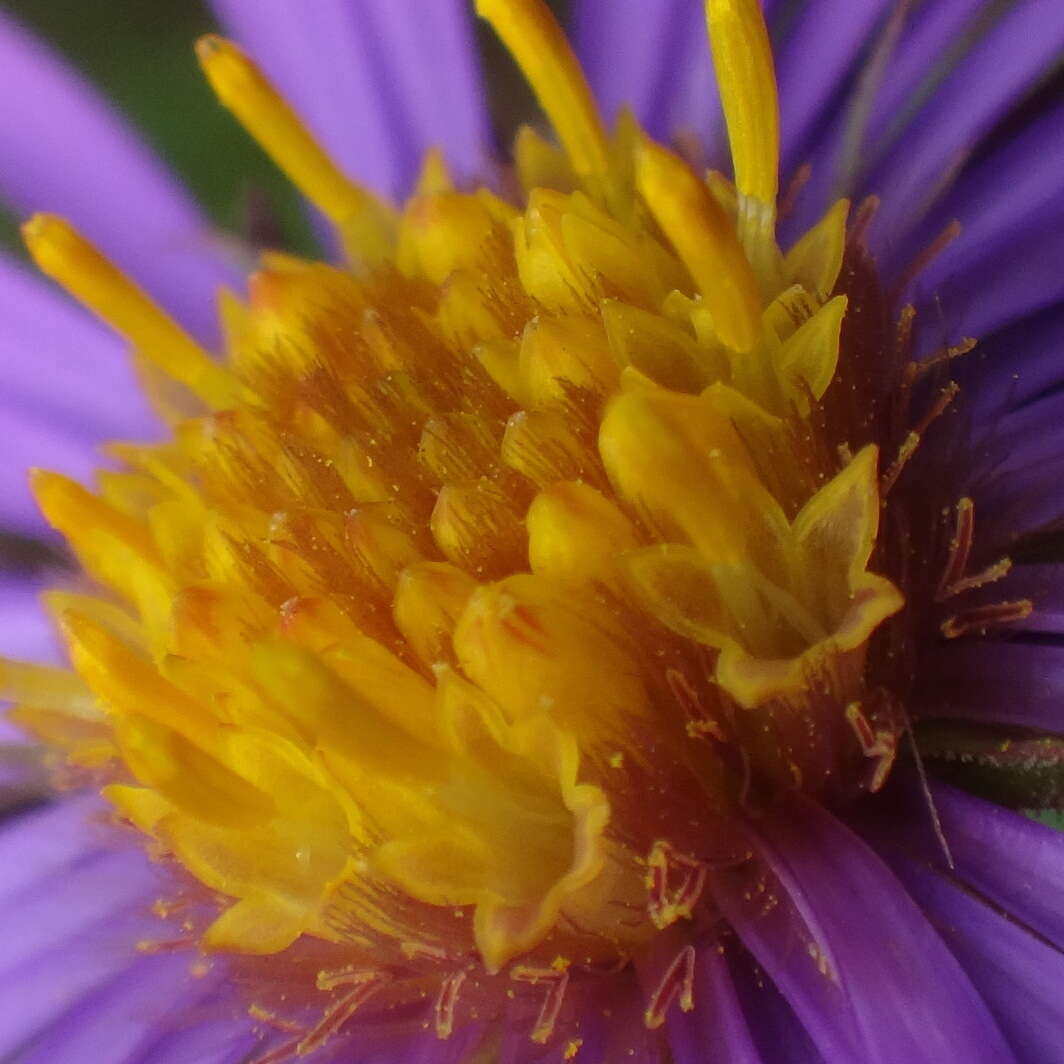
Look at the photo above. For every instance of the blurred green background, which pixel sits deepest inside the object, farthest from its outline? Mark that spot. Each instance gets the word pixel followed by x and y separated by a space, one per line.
pixel 139 53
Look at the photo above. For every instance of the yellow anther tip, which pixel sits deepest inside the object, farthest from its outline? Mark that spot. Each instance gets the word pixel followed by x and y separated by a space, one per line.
pixel 52 492
pixel 533 37
pixel 63 254
pixel 226 65
pixel 490 9
pixel 46 234
pixel 39 480
pixel 208 44
pixel 57 247
pixel 37 226
pixel 211 48
pixel 245 90
pixel 651 162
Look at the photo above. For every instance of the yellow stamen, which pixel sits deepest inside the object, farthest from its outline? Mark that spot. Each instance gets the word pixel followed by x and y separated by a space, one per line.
pixel 705 240
pixel 537 43
pixel 742 58
pixel 244 90
pixel 69 259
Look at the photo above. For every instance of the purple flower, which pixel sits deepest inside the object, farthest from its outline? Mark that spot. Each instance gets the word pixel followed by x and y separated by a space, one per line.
pixel 548 635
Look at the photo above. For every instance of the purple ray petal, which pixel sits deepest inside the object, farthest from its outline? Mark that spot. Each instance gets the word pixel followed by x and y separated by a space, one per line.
pixel 623 48
pixel 997 682
pixel 30 441
pixel 426 58
pixel 715 1031
pixel 1001 267
pixel 64 150
pixel 26 633
pixel 1009 859
pixel 977 94
pixel 42 843
pixel 999 198
pixel 611 1023
pixel 124 1015
pixel 998 287
pixel 1018 975
pixel 73 905
pixel 376 86
pixel 207 1028
pixel 315 57
pixel 23 775
pixel 813 63
pixel 690 101
pixel 75 976
pixel 1016 365
pixel 55 981
pixel 47 916
pixel 778 1032
pixel 1015 474
pixel 635 53
pixel 857 960
pixel 68 385
pixel 936 37
pixel 416 1043
pixel 1014 861
pixel 654 57
pixel 71 911
pixel 57 361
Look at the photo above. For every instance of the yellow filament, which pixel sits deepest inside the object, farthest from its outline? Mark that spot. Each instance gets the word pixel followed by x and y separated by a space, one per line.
pixel 243 89
pixel 705 240
pixel 69 259
pixel 742 58
pixel 537 43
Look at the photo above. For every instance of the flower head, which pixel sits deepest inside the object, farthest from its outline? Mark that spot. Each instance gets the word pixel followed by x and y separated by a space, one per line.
pixel 485 646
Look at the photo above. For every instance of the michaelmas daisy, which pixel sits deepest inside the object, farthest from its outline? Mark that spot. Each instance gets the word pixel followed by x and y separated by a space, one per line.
pixel 605 610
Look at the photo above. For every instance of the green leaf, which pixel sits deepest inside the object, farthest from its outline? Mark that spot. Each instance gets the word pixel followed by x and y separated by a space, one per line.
pixel 1020 770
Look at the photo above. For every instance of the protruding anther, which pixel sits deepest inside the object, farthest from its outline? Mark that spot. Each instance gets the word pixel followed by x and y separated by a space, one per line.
pixel 742 59
pixel 556 980
pixel 536 41
pixel 93 280
pixel 238 83
pixel 337 1015
pixel 678 981
pixel 911 442
pixel 981 619
pixel 674 884
pixel 446 999
pixel 876 744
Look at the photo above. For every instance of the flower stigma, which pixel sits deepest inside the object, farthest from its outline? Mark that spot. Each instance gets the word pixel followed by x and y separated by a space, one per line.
pixel 488 585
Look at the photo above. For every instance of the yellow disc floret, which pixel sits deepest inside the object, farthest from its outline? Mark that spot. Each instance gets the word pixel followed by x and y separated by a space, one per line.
pixel 490 567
